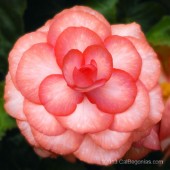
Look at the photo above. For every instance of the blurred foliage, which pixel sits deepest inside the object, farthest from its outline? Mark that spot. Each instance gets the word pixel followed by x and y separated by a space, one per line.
pixel 144 12
pixel 6 122
pixel 159 37
pixel 11 27
pixel 21 16
pixel 159 34
pixel 106 7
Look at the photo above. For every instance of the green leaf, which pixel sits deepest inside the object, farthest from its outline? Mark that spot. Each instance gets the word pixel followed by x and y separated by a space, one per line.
pixel 146 13
pixel 106 7
pixel 11 27
pixel 6 122
pixel 159 37
pixel 159 34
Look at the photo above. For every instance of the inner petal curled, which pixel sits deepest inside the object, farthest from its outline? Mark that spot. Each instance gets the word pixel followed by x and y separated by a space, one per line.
pixel 85 76
pixel 74 38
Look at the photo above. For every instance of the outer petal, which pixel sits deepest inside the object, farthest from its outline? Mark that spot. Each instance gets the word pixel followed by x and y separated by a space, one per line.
pixel 152 140
pixel 87 118
pixel 26 132
pixel 124 54
pixel 74 38
pixel 135 115
pixel 148 76
pixel 156 108
pixel 23 44
pixel 94 154
pixel 102 58
pixel 37 63
pixel 43 153
pixel 109 139
pixel 63 144
pixel 117 95
pixel 41 120
pixel 13 100
pixel 157 105
pixel 77 19
pixel 57 97
pixel 132 29
pixel 92 12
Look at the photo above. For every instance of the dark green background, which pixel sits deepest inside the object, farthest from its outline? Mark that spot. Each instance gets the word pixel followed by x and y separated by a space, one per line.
pixel 20 16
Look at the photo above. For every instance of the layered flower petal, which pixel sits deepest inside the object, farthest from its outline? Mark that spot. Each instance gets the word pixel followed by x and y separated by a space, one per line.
pixel 152 140
pixel 41 120
pixel 74 38
pixel 133 29
pixel 23 44
pixel 133 117
pixel 116 95
pixel 148 76
pixel 110 139
pixel 102 58
pixel 27 132
pixel 124 54
pixel 73 59
pixel 87 118
pixel 43 153
pixel 13 100
pixel 156 108
pixel 57 98
pixel 76 19
pixel 92 153
pixel 63 144
pixel 92 12
pixel 30 74
pixel 156 104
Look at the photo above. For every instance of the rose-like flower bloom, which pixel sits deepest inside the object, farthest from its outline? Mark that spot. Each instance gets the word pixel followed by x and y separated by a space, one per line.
pixel 79 86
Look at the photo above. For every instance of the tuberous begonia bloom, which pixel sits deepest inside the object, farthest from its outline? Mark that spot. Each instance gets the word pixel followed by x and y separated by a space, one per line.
pixel 82 87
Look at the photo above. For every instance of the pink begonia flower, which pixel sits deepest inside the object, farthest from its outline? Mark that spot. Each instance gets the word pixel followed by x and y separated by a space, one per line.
pixel 80 87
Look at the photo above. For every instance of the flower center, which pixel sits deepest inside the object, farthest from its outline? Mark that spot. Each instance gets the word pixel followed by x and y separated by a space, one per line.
pixel 85 76
pixel 89 70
